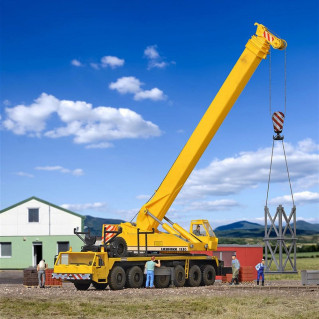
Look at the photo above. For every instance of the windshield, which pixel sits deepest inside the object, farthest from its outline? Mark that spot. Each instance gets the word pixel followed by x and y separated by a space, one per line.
pixel 210 230
pixel 75 259
pixel 199 230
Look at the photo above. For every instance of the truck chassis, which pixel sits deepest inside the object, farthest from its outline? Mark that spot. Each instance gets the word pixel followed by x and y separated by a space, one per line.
pixel 96 268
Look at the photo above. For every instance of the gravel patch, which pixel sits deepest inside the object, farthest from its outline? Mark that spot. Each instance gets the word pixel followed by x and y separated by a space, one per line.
pixel 68 291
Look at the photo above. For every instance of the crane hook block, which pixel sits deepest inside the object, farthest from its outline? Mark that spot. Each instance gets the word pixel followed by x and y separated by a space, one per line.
pixel 278 122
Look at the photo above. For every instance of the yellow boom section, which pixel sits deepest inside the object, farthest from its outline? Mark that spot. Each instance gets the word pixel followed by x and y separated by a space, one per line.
pixel 256 49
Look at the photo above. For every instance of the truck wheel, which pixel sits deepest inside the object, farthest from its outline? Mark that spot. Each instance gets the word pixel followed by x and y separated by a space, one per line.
pixel 135 277
pixel 82 285
pixel 117 278
pixel 194 276
pixel 161 281
pixel 119 247
pixel 179 276
pixel 99 286
pixel 208 275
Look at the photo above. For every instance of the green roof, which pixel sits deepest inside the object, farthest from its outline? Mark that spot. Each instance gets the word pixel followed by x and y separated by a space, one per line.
pixel 44 202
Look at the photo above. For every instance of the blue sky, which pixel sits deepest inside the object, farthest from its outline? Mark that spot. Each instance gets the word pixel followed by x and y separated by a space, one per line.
pixel 99 97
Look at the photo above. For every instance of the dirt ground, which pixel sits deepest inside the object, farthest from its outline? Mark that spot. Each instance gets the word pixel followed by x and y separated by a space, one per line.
pixel 68 290
pixel 283 299
pixel 219 301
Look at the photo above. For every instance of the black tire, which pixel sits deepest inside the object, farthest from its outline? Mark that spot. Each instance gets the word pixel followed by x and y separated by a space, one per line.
pixel 208 275
pixel 179 276
pixel 117 278
pixel 194 276
pixel 135 277
pixel 99 286
pixel 161 281
pixel 119 247
pixel 82 285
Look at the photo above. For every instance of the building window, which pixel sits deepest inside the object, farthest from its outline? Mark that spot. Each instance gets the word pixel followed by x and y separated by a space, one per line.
pixel 63 246
pixel 5 250
pixel 33 215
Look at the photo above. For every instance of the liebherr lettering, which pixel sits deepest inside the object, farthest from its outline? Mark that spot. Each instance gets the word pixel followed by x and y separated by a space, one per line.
pixel 173 249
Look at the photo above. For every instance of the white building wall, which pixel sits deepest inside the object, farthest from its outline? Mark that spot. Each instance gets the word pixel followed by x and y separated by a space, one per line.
pixel 52 221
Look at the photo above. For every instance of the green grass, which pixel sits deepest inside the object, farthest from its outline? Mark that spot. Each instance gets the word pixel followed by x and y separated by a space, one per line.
pixel 253 307
pixel 302 264
pixel 302 240
pixel 310 254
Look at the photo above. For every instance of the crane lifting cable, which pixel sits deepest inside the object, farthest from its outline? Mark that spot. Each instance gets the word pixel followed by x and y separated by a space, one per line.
pixel 278 124
pixel 280 240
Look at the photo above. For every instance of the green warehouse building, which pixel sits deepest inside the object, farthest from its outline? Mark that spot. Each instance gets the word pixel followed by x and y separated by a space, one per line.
pixel 35 229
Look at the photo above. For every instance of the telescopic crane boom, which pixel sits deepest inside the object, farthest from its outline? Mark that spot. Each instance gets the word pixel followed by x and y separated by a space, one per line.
pixel 151 215
pixel 257 48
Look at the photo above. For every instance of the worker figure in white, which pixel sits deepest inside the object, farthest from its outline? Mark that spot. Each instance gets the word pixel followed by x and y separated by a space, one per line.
pixel 260 272
pixel 150 268
pixel 42 266
pixel 235 270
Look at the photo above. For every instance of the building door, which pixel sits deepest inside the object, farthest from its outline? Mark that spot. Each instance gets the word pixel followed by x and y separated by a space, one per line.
pixel 37 253
pixel 226 256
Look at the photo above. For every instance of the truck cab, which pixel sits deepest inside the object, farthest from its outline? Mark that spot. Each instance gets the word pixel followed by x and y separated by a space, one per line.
pixel 82 268
pixel 204 232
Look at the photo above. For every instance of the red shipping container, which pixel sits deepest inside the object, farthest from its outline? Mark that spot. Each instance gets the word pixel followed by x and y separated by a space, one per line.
pixel 248 256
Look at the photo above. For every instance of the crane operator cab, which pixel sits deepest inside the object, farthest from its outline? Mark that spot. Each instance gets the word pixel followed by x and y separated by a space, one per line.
pixel 204 232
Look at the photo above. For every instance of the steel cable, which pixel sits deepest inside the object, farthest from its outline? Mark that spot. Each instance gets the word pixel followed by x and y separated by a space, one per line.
pixel 292 196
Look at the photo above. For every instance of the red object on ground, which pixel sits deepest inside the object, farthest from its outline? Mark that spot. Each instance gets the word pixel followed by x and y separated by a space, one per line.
pixel 248 255
pixel 228 277
pixel 49 281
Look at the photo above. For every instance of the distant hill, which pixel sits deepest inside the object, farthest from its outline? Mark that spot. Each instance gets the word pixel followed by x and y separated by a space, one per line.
pixel 301 224
pixel 95 224
pixel 240 225
pixel 245 229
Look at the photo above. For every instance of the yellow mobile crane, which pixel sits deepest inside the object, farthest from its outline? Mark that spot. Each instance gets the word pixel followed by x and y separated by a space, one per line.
pixel 118 261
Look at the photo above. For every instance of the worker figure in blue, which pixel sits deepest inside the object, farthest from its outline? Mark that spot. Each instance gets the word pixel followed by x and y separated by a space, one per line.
pixel 150 269
pixel 235 270
pixel 260 272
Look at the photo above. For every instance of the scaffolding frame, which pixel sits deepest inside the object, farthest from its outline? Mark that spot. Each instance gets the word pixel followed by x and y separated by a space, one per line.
pixel 283 235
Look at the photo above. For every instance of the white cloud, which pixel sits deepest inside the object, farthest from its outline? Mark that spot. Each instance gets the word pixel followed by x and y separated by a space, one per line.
pixel 76 62
pixel 23 119
pixel 95 66
pixel 215 205
pixel 154 58
pixel 93 126
pixel 23 174
pixel 151 52
pixel 75 172
pixel 130 84
pixel 309 220
pixel 111 61
pixel 6 103
pixel 159 65
pixel 308 145
pixel 301 198
pixel 126 84
pixel 88 206
pixel 249 169
pixel 154 94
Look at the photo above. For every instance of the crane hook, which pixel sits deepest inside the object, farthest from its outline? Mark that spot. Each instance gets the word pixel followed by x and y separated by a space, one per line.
pixel 278 123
